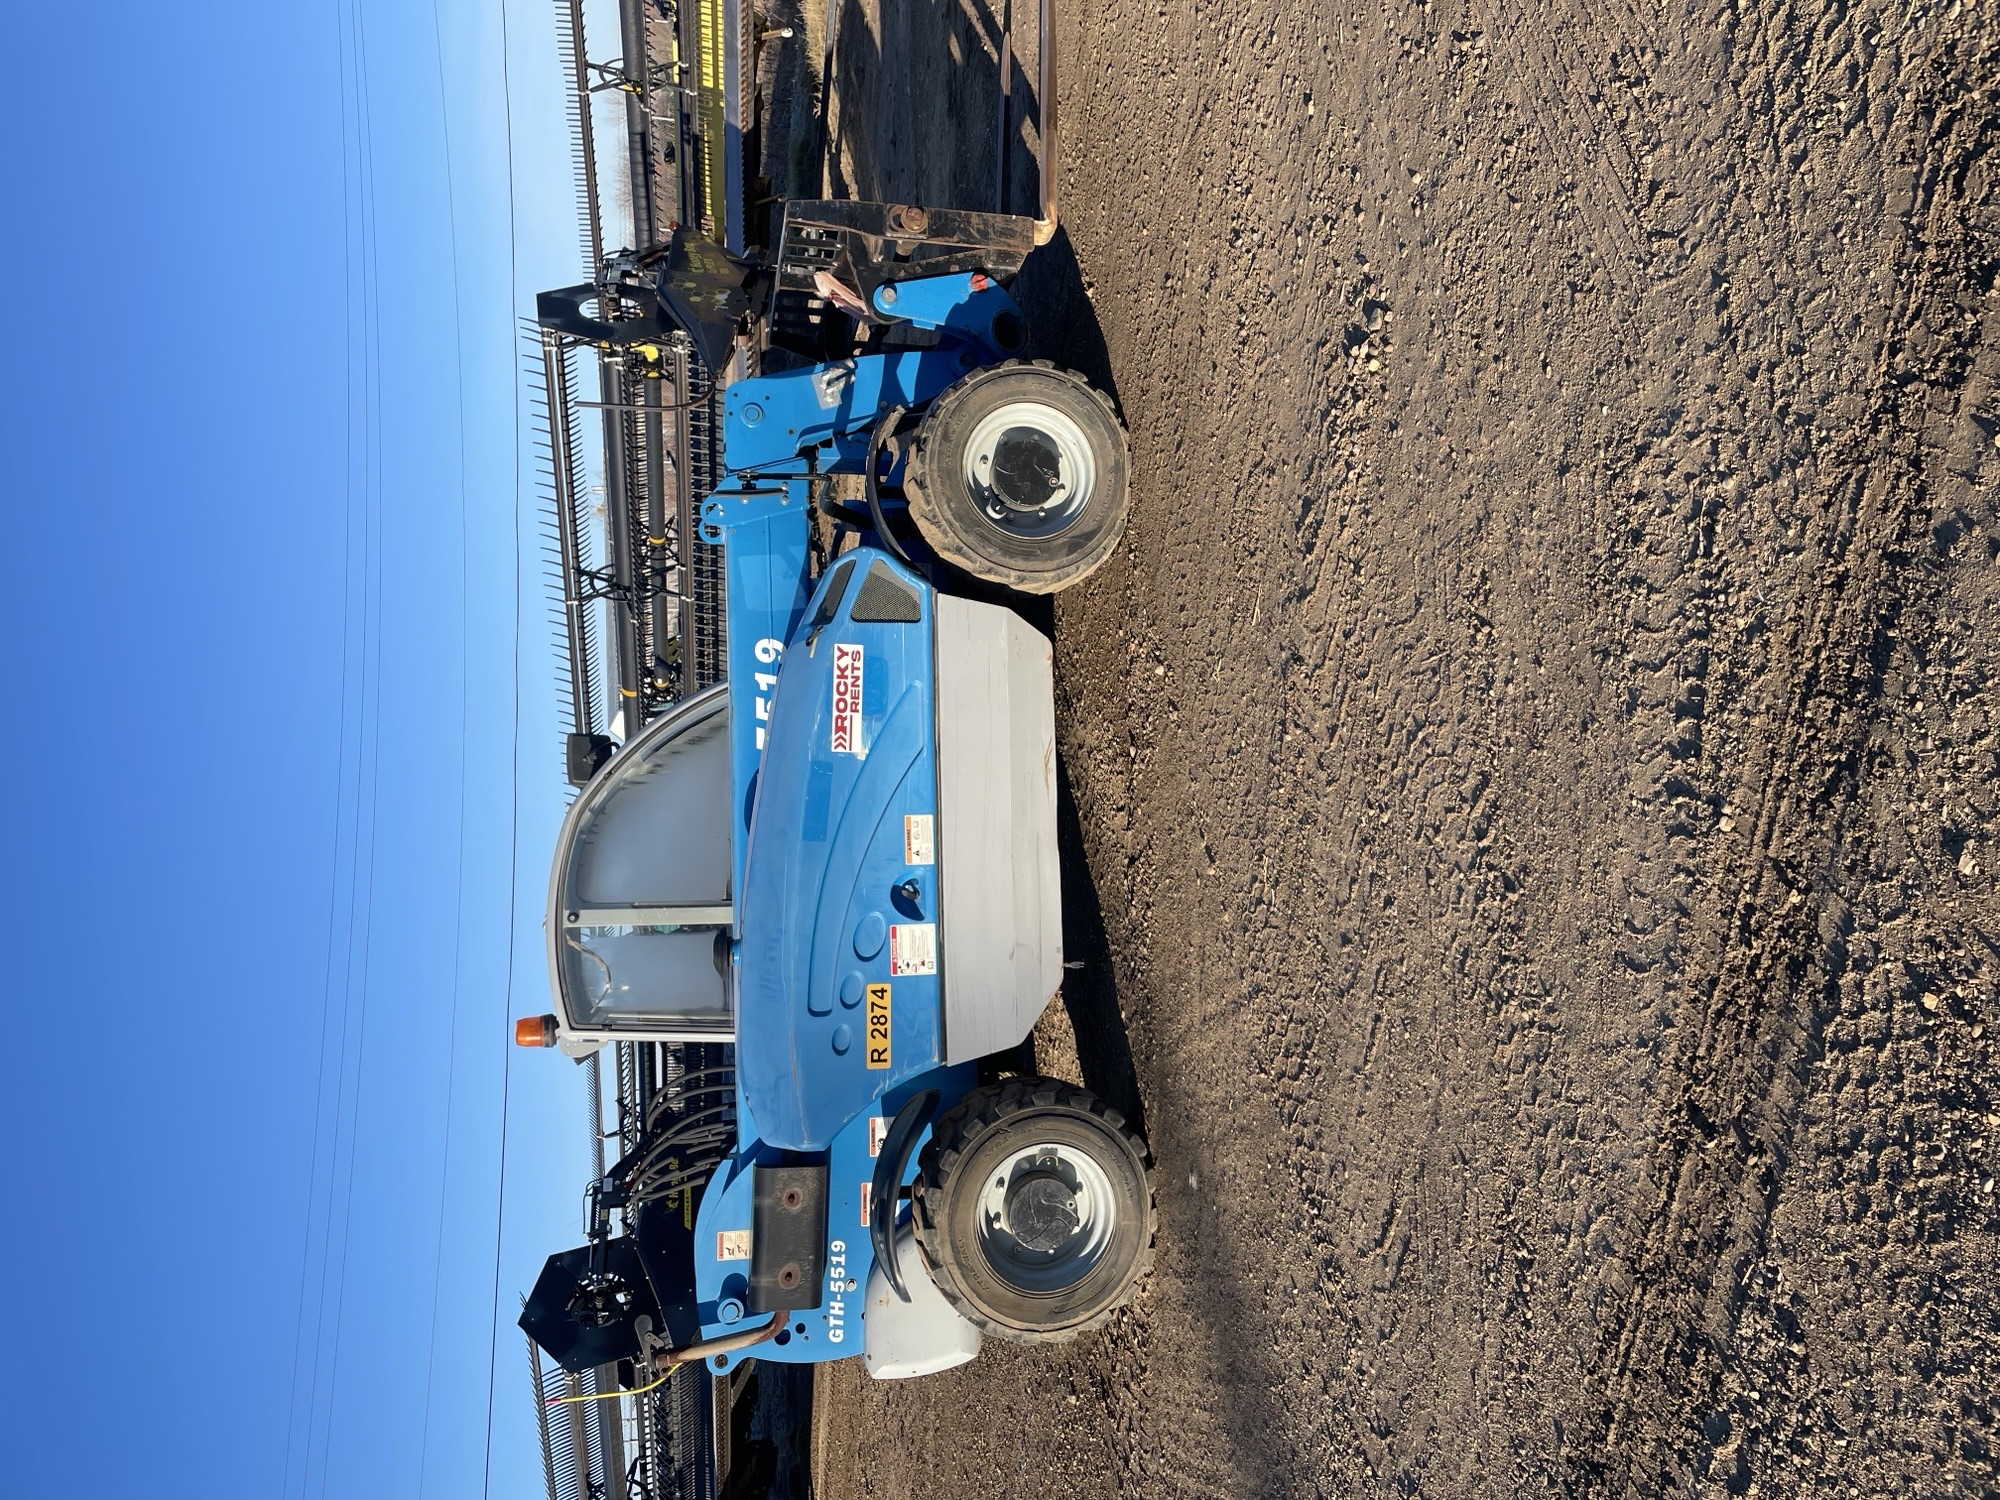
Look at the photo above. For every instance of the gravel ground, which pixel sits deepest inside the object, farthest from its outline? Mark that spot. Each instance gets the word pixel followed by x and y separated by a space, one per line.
pixel 1533 763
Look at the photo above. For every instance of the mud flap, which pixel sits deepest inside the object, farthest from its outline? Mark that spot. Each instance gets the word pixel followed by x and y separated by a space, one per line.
pixel 919 1336
pixel 788 1239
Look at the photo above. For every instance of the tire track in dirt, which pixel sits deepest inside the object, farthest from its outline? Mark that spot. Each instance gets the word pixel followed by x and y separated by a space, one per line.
pixel 1510 625
pixel 1744 1076
pixel 1598 184
pixel 1355 1427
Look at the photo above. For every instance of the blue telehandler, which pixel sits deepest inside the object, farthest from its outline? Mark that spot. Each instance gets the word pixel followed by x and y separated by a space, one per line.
pixel 842 859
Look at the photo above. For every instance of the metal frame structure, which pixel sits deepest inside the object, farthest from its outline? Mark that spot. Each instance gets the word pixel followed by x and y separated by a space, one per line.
pixel 637 598
pixel 644 579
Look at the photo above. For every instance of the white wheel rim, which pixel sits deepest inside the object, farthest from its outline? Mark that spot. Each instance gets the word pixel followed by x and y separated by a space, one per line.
pixel 1027 426
pixel 1046 1268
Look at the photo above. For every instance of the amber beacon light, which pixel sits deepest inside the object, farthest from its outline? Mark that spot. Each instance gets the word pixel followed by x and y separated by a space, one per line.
pixel 535 1031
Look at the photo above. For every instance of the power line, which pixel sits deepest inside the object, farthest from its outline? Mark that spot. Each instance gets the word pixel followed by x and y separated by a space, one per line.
pixel 514 780
pixel 339 789
pixel 358 234
pixel 351 207
pixel 464 698
pixel 372 461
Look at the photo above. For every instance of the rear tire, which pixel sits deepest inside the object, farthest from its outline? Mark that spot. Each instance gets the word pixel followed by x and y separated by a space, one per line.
pixel 1034 1209
pixel 1020 475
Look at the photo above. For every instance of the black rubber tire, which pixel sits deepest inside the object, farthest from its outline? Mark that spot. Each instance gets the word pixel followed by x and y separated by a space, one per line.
pixel 948 514
pixel 986 1127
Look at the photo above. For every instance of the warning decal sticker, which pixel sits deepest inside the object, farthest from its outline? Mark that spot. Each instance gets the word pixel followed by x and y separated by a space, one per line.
pixel 919 839
pixel 846 699
pixel 732 1244
pixel 913 949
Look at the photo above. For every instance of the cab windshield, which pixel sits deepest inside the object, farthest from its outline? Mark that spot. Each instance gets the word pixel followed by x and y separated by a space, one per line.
pixel 640 904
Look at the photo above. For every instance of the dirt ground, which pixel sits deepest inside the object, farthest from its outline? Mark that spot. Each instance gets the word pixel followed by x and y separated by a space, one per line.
pixel 1533 763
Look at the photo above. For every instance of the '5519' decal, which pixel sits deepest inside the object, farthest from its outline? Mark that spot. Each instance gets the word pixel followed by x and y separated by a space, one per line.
pixel 767 652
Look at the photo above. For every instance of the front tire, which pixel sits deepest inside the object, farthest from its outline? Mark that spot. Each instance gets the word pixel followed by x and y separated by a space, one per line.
pixel 1034 1209
pixel 1020 475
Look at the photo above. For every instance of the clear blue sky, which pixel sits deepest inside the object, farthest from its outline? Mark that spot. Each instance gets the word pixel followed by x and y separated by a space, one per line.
pixel 237 646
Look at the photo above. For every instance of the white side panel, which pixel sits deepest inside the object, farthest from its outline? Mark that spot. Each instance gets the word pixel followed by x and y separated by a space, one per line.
pixel 901 1339
pixel 1000 887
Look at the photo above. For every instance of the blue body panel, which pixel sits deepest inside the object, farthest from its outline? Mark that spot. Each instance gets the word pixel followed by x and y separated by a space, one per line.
pixel 768 420
pixel 832 1330
pixel 828 895
pixel 765 536
pixel 833 751
pixel 968 305
pixel 771 421
pixel 821 856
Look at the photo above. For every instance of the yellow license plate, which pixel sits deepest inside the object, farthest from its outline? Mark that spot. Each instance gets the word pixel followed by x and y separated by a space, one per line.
pixel 878 1026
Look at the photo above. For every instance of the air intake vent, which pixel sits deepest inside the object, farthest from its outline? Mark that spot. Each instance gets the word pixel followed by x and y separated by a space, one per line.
pixel 885 600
